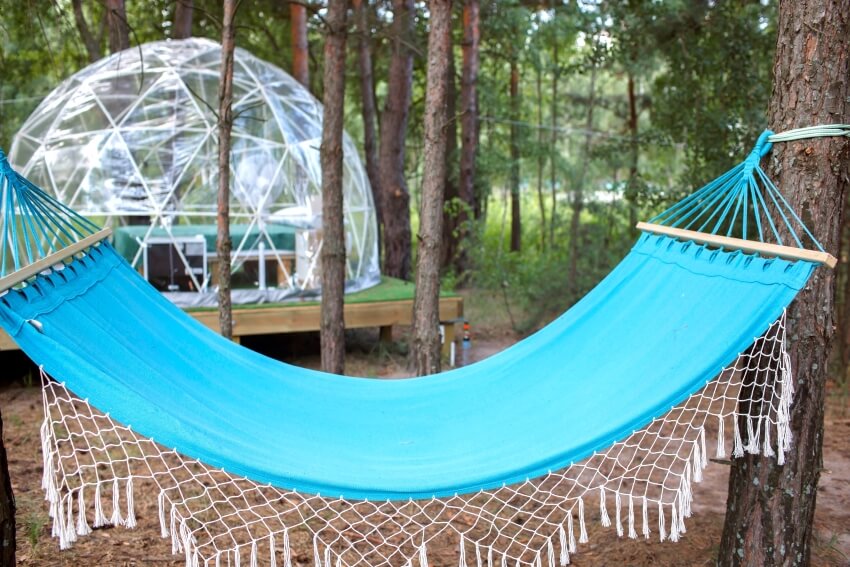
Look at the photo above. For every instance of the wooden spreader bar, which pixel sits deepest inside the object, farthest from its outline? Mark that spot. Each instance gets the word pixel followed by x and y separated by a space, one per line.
pixel 50 260
pixel 749 246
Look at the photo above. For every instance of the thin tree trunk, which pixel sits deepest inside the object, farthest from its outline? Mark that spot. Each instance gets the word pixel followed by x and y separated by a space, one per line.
pixel 451 193
pixel 369 109
pixel 516 220
pixel 632 184
pixel 770 510
pixel 333 239
pixel 468 132
pixel 426 304
pixel 7 508
pixel 91 43
pixel 553 149
pixel 116 21
pixel 395 201
pixel 541 158
pixel 223 244
pixel 578 190
pixel 300 48
pixel 182 25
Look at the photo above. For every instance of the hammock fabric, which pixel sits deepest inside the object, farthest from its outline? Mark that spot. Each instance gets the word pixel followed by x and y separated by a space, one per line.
pixel 582 406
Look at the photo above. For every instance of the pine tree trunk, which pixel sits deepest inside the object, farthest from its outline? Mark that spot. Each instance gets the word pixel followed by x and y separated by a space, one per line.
pixel 541 157
pixel 333 239
pixel 370 113
pixel 223 244
pixel 7 508
pixel 578 190
pixel 89 40
pixel 451 193
pixel 426 304
pixel 516 220
pixel 395 201
pixel 770 510
pixel 182 28
pixel 300 48
pixel 553 155
pixel 632 187
pixel 116 21
pixel 468 131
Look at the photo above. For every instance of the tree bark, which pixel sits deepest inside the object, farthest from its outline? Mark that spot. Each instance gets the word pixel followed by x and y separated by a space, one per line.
pixel 395 201
pixel 7 508
pixel 182 25
pixel 634 149
pixel 516 220
pixel 116 21
pixel 770 510
pixel 333 239
pixel 553 155
pixel 426 304
pixel 541 157
pixel 451 194
pixel 370 113
pixel 223 244
pixel 300 48
pixel 468 131
pixel 91 43
pixel 578 190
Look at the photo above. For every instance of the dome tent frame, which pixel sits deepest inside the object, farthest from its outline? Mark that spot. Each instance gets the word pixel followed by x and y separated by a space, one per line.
pixel 133 138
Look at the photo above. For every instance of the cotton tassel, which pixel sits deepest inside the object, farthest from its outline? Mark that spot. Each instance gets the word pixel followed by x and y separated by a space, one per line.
pixel 117 520
pixel 703 451
pixel 130 523
pixel 550 552
pixel 752 442
pixel 721 438
pixel 287 557
pixel 490 556
pixel 768 448
pixel 619 521
pixel 674 524
pixel 163 526
pixel 632 532
pixel 187 542
pixel 697 463
pixel 570 533
pixel 339 561
pixel 462 560
pixel 273 557
pixel 603 511
pixel 662 531
pixel 780 455
pixel 504 562
pixel 478 555
pixel 684 511
pixel 538 561
pixel 175 535
pixel 83 528
pixel 254 558
pixel 327 556
pixel 218 559
pixel 739 445
pixel 565 554
pixel 237 557
pixel 645 518
pixel 99 515
pixel 582 538
pixel 58 525
pixel 70 531
pixel 423 556
pixel 317 559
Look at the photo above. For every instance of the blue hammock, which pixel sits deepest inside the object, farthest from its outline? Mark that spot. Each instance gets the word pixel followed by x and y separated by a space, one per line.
pixel 667 319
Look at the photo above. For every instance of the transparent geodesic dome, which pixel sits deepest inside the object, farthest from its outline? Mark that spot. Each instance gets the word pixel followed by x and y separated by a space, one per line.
pixel 131 140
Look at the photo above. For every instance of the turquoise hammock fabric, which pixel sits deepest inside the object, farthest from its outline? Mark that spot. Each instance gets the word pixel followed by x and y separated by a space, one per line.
pixel 667 319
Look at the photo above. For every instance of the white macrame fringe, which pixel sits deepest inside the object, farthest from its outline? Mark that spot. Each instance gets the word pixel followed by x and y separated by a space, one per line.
pixel 68 503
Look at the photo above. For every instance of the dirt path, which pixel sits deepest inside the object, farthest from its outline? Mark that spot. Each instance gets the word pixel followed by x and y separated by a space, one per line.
pixel 21 409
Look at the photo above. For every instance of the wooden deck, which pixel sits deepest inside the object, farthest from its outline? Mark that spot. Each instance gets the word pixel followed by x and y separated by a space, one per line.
pixel 384 306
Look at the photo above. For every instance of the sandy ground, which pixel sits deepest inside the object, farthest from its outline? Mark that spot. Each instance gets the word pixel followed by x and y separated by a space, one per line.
pixel 21 410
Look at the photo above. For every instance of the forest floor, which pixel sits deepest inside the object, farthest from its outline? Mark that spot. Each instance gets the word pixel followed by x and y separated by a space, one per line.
pixel 22 413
